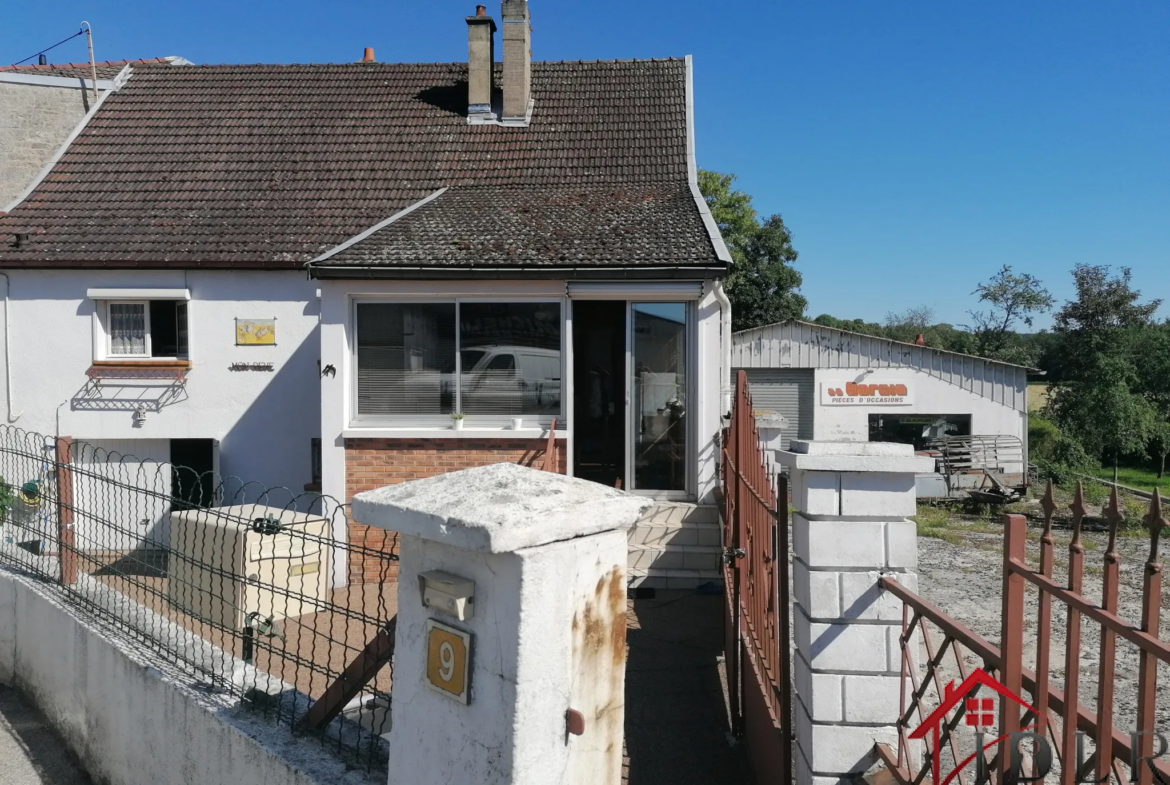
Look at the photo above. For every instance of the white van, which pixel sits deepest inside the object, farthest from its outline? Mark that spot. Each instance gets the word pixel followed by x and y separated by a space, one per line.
pixel 511 380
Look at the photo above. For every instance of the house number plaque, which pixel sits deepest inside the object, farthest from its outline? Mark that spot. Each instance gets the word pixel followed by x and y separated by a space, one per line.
pixel 448 660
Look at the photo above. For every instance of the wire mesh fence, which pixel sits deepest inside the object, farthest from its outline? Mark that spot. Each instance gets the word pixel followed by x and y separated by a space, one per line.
pixel 256 592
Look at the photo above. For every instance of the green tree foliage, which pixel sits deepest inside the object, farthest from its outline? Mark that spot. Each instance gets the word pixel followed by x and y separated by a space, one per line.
pixel 1012 300
pixel 762 283
pixel 1102 399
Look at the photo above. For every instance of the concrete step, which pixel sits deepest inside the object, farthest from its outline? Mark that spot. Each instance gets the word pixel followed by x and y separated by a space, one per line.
pixel 664 535
pixel 675 545
pixel 669 524
pixel 689 580
pixel 673 513
pixel 674 557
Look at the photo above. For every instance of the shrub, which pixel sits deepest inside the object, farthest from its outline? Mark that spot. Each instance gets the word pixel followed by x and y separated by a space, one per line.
pixel 1067 459
pixel 1042 437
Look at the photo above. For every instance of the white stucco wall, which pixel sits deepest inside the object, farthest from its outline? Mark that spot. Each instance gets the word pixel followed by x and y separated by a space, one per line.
pixel 264 421
pixel 133 720
pixel 930 396
pixel 337 392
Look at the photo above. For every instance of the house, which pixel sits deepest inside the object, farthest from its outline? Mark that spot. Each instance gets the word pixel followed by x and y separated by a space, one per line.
pixel 518 242
pixel 42 106
pixel 809 381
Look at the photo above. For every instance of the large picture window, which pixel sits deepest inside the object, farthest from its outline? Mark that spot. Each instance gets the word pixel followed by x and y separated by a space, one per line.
pixel 484 359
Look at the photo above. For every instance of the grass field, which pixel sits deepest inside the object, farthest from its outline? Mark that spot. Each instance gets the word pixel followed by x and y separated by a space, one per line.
pixel 1037 396
pixel 1142 479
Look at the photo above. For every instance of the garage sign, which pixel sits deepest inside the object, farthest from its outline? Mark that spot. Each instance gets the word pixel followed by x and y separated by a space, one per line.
pixel 878 393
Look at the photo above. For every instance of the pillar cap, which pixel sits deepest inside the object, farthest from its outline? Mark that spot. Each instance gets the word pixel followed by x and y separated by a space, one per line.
pixel 498 508
pixel 883 457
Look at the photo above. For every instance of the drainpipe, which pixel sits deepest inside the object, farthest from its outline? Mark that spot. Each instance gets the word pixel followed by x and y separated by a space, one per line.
pixel 8 351
pixel 725 387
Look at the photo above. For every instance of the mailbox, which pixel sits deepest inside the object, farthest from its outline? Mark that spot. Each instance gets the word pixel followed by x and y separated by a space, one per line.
pixel 447 593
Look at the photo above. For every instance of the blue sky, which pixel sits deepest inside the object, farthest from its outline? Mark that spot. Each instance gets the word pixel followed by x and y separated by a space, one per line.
pixel 912 147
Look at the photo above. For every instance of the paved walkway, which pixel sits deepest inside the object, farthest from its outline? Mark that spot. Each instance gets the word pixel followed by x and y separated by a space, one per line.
pixel 676 716
pixel 31 753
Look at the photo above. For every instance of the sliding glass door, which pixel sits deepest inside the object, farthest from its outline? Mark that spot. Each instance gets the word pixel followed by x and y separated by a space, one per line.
pixel 659 400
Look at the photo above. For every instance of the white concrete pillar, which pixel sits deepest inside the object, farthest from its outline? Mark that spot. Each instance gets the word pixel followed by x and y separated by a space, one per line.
pixel 850 504
pixel 511 615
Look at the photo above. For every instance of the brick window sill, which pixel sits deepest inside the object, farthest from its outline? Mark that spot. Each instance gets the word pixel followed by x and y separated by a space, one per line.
pixel 449 433
pixel 144 363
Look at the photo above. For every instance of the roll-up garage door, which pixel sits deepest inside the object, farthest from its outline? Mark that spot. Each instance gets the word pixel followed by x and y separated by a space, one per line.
pixel 788 392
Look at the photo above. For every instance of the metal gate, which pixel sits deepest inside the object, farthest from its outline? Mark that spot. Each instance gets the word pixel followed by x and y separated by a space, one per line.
pixel 757 622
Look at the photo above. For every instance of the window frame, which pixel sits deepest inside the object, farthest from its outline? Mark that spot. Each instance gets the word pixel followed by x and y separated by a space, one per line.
pixel 107 325
pixel 443 421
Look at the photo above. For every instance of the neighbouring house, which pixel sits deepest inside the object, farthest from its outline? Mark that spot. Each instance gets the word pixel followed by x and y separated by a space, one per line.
pixel 41 106
pixel 518 242
pixel 809 381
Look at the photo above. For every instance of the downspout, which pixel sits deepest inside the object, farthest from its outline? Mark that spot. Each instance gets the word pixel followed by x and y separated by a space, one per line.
pixel 725 387
pixel 8 352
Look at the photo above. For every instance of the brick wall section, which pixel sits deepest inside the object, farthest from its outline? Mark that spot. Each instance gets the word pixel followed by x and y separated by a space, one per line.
pixel 374 463
pixel 34 122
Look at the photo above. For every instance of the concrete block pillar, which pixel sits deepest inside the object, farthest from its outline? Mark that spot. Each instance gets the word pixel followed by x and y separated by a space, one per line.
pixel 850 508
pixel 510 650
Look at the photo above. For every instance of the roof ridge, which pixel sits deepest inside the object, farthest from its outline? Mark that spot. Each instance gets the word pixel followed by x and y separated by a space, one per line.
pixel 419 64
pixel 146 60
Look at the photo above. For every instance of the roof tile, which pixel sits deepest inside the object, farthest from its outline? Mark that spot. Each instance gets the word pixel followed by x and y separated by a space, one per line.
pixel 272 165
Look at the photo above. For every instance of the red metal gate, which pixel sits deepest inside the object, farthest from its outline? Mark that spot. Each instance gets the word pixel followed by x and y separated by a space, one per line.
pixel 755 515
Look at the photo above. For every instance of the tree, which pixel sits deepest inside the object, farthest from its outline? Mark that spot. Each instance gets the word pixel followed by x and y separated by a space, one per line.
pixel 1100 399
pixel 1012 299
pixel 761 284
pixel 1160 445
pixel 908 325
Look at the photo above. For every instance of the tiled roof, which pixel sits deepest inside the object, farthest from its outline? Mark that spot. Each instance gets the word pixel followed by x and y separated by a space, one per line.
pixel 645 225
pixel 107 69
pixel 272 165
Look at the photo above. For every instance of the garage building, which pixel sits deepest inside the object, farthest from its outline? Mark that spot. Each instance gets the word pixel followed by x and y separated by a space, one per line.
pixel 808 381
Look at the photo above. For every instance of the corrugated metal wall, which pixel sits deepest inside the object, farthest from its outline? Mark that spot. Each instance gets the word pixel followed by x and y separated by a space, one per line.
pixel 804 345
pixel 789 392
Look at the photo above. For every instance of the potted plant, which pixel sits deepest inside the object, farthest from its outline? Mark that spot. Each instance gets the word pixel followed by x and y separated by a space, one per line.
pixel 457 421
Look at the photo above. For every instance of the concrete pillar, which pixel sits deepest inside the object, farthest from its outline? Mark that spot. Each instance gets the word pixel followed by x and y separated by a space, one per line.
pixel 511 630
pixel 850 504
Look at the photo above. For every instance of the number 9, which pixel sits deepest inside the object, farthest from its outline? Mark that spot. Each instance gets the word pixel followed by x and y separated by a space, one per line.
pixel 446 661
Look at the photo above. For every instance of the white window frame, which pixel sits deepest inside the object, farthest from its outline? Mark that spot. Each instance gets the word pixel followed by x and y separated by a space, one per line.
pixel 107 329
pixel 443 421
pixel 110 330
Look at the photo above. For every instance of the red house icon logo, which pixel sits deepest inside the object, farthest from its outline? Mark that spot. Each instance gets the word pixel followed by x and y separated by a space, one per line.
pixel 980 712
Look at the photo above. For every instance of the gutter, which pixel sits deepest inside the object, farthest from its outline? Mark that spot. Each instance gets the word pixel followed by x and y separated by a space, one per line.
pixel 590 272
pixel 725 387
pixel 8 351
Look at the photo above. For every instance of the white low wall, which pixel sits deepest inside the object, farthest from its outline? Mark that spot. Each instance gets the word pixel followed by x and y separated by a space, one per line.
pixel 134 722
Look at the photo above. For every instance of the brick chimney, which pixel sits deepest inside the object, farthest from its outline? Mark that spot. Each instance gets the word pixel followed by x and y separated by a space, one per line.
pixel 481 54
pixel 517 60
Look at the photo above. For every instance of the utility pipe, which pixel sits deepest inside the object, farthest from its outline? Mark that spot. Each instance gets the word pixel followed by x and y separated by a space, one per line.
pixel 92 63
pixel 8 351
pixel 725 387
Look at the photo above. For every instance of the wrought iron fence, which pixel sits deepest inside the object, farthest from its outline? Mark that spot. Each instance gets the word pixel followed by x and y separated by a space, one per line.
pixel 1056 714
pixel 255 592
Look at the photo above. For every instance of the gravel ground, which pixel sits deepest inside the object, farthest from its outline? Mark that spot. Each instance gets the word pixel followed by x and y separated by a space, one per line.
pixel 964 578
